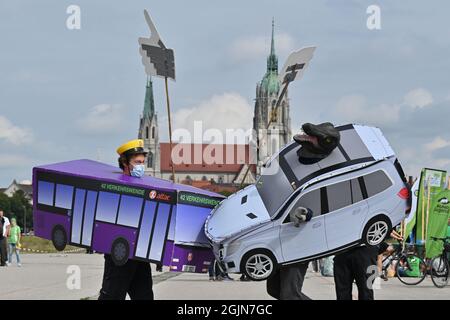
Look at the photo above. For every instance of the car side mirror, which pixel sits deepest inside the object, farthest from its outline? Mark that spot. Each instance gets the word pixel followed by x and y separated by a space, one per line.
pixel 300 215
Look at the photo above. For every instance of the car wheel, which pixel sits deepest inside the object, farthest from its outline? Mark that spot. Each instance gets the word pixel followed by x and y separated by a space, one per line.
pixel 120 251
pixel 376 230
pixel 258 265
pixel 59 238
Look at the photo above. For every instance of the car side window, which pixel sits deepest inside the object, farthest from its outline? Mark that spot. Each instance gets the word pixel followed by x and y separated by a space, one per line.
pixel 339 195
pixel 376 182
pixel 309 200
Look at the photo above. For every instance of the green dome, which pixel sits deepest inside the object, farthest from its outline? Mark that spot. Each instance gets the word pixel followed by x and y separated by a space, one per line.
pixel 270 83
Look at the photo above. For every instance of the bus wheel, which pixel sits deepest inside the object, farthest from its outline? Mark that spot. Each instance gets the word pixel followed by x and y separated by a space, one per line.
pixel 59 238
pixel 120 251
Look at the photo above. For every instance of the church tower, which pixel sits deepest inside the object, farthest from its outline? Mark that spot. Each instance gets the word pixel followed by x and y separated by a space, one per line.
pixel 270 138
pixel 148 131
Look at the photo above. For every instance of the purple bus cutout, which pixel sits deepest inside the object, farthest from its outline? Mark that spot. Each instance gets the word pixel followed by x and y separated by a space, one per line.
pixel 93 205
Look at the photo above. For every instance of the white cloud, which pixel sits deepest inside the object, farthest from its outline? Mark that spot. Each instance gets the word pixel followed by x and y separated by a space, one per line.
pixel 248 48
pixel 9 161
pixel 220 112
pixel 13 134
pixel 102 118
pixel 414 126
pixel 418 98
pixel 355 108
pixel 437 143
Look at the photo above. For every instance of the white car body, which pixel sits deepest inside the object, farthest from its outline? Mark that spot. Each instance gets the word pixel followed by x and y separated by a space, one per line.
pixel 256 218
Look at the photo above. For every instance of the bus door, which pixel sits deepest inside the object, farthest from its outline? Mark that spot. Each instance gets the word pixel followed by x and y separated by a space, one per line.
pixel 154 225
pixel 83 213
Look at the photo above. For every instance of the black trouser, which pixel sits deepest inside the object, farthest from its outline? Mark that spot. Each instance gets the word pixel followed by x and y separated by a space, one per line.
pixel 3 251
pixel 354 265
pixel 287 282
pixel 134 278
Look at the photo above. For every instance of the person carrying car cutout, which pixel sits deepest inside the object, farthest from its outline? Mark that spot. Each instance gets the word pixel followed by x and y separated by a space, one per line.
pixel 317 141
pixel 286 283
pixel 134 277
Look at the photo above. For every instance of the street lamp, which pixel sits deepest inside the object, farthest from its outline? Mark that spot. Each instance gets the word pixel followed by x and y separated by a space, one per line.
pixel 24 219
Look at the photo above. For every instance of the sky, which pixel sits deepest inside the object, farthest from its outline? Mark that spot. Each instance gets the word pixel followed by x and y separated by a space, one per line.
pixel 78 93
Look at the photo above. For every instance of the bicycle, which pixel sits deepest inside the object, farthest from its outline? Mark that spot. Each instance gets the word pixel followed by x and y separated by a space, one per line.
pixel 439 266
pixel 409 269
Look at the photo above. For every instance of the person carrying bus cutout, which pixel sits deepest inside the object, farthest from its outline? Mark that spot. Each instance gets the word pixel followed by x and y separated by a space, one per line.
pixel 134 277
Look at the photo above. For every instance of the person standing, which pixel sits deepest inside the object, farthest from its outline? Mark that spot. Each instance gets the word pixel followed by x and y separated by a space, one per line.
pixel 134 277
pixel 4 232
pixel 287 282
pixel 354 265
pixel 14 241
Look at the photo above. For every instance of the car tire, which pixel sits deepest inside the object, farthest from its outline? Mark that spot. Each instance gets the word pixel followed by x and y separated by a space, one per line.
pixel 120 250
pixel 258 264
pixel 376 230
pixel 59 238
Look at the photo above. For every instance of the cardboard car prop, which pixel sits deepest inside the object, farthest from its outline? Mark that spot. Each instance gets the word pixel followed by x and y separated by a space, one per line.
pixel 89 204
pixel 356 194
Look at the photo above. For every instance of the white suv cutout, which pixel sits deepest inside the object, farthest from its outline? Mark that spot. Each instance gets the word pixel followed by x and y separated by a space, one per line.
pixel 356 195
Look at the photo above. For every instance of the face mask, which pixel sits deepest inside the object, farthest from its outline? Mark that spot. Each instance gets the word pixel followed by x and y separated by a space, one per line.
pixel 138 171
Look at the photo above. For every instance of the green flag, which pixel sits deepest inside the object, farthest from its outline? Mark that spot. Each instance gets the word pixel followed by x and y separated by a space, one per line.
pixel 431 183
pixel 437 223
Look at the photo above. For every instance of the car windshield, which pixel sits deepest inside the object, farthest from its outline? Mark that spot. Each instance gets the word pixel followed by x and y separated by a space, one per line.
pixel 273 187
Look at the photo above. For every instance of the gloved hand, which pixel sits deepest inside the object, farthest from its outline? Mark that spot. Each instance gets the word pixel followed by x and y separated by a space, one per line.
pixel 300 215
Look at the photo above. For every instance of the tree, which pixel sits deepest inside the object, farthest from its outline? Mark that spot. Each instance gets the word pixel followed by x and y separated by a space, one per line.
pixel 5 204
pixel 21 209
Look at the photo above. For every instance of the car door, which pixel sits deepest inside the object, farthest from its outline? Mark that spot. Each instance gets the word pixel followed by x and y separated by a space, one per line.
pixel 309 238
pixel 346 213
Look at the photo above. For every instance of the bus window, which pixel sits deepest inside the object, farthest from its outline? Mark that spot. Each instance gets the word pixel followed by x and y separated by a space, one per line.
pixel 146 229
pixel 88 221
pixel 162 220
pixel 64 194
pixel 107 206
pixel 77 216
pixel 45 192
pixel 130 211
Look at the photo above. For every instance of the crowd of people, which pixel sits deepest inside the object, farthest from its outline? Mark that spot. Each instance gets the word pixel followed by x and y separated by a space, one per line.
pixel 10 236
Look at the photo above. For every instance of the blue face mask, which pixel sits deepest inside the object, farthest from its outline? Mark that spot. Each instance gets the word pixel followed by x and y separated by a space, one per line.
pixel 138 171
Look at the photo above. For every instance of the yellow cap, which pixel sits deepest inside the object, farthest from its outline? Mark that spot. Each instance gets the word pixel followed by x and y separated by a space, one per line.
pixel 132 146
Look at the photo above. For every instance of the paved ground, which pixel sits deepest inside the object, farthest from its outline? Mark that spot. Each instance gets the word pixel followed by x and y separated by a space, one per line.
pixel 45 276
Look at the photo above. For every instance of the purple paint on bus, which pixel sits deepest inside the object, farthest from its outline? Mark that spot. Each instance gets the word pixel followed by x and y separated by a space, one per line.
pixel 101 171
pixel 190 258
pixel 50 219
pixel 106 233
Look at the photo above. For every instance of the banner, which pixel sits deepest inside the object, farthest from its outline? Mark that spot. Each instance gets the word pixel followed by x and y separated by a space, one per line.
pixel 431 183
pixel 410 220
pixel 437 223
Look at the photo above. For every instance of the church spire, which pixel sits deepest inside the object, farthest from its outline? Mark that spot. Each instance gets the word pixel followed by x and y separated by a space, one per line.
pixel 272 60
pixel 149 104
